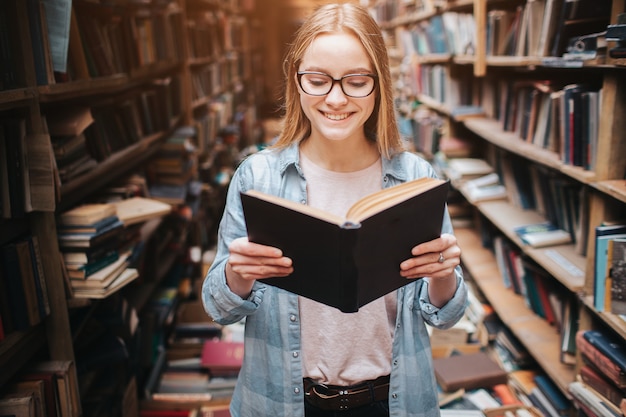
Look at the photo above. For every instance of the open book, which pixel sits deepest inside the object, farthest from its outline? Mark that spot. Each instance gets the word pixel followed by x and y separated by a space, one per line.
pixel 348 262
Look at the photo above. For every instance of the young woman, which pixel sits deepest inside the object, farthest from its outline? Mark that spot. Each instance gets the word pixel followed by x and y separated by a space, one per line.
pixel 340 142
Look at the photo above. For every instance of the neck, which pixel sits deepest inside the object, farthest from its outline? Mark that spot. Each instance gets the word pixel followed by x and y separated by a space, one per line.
pixel 341 156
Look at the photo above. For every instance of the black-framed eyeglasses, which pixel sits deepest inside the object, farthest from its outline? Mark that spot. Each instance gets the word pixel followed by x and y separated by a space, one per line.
pixel 353 85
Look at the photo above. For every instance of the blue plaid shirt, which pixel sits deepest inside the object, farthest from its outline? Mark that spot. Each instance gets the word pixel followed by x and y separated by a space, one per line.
pixel 270 381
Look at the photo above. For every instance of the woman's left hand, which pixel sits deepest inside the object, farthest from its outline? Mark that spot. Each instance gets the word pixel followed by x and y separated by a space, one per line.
pixel 435 259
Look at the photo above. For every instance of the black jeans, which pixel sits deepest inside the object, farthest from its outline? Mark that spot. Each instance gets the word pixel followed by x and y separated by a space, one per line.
pixel 377 409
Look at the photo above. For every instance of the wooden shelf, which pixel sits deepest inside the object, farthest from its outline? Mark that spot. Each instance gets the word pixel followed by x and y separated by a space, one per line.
pixel 614 188
pixel 109 169
pixel 17 349
pixel 540 339
pixel 15 98
pixel 491 130
pixel 561 261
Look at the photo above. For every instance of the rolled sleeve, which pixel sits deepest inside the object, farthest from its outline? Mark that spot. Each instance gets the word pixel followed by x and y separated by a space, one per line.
pixel 446 316
pixel 223 305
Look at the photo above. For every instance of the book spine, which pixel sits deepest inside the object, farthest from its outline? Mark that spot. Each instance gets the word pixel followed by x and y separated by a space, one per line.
pixel 13 280
pixel 349 287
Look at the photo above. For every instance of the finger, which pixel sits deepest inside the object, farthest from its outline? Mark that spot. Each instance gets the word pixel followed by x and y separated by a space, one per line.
pixel 260 272
pixel 247 248
pixel 436 245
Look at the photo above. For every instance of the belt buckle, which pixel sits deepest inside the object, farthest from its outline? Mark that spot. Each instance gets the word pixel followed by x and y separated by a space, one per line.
pixel 341 397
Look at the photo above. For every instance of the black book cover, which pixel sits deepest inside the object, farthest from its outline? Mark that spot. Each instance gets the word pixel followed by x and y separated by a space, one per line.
pixel 346 266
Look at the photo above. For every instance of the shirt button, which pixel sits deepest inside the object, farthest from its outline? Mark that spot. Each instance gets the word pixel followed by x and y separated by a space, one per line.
pixel 295 354
pixel 395 362
pixel 296 390
pixel 303 201
pixel 394 395
pixel 293 318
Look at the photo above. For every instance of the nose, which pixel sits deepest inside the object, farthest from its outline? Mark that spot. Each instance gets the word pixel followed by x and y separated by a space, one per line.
pixel 336 94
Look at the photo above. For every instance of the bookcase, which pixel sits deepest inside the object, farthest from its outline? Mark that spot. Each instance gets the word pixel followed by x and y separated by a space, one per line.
pixel 493 75
pixel 123 78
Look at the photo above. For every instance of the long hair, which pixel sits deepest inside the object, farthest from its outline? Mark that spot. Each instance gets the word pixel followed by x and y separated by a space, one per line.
pixel 347 18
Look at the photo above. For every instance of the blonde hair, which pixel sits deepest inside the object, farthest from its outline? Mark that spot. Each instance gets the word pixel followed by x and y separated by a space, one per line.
pixel 348 18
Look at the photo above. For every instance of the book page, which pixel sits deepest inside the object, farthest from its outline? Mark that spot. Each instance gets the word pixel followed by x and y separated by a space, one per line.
pixel 389 197
pixel 302 208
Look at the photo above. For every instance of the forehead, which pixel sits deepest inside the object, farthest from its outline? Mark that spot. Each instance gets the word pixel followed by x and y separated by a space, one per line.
pixel 336 51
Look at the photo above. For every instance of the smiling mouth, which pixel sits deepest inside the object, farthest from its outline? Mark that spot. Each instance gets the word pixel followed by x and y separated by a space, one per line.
pixel 336 116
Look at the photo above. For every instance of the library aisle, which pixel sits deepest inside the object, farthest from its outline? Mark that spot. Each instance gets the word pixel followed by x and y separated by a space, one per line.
pixel 122 122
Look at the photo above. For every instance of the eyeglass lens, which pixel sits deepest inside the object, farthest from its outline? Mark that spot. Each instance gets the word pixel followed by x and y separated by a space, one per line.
pixel 353 85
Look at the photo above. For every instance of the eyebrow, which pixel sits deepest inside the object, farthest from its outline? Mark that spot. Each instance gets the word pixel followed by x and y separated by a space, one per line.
pixel 360 70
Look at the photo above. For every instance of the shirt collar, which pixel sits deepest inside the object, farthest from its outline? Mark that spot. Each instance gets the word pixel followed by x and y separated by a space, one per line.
pixel 393 167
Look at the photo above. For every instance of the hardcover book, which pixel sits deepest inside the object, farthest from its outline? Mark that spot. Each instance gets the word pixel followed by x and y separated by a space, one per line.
pixel 615 296
pixel 558 405
pixel 610 366
pixel 348 262
pixel 470 371
pixel 542 234
pixel 595 380
pixel 614 350
pixel 221 357
pixel 603 234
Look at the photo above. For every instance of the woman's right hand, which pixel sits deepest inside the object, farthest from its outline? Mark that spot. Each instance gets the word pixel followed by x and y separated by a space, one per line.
pixel 249 261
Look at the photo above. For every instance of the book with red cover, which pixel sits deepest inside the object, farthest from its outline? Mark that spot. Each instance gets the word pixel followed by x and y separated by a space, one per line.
pixel 600 360
pixel 351 261
pixel 222 357
pixel 470 371
pixel 601 384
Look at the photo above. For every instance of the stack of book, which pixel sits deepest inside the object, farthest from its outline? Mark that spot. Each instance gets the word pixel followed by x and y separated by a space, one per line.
pixel 601 385
pixel 71 151
pixel 173 167
pixel 95 255
pixel 47 388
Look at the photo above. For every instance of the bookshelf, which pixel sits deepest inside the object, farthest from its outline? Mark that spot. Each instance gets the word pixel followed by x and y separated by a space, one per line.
pixel 127 72
pixel 494 67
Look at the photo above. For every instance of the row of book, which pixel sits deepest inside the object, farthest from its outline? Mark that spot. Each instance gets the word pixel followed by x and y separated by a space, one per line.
pixel 450 33
pixel 438 83
pixel 543 296
pixel 44 388
pixel 211 33
pixel 560 118
pixel 537 28
pixel 24 301
pixel 541 28
pixel 104 40
pixel 558 199
pixel 26 176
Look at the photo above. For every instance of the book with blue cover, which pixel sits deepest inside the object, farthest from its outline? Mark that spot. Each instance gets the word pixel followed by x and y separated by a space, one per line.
pixel 553 394
pixel 611 348
pixel 603 234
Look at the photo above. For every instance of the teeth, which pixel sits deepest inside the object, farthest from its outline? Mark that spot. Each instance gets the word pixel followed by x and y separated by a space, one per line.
pixel 336 116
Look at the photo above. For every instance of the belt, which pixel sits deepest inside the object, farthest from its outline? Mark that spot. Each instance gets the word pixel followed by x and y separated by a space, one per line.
pixel 340 398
